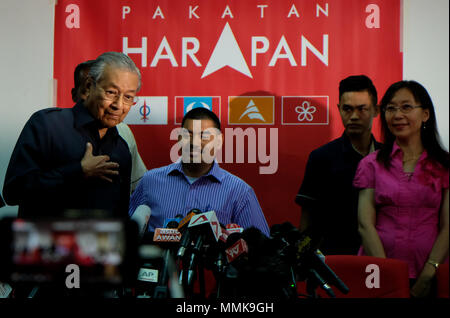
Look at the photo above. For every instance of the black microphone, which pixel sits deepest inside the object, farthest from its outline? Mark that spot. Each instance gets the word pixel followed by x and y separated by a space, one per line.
pixel 215 253
pixel 173 223
pixel 305 256
pixel 206 229
pixel 322 268
pixel 186 237
pixel 321 282
pixel 153 274
pixel 237 249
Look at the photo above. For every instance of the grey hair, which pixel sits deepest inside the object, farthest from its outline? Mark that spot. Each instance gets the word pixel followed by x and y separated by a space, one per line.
pixel 113 59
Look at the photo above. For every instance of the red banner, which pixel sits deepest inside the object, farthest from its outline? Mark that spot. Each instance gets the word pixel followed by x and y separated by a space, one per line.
pixel 270 70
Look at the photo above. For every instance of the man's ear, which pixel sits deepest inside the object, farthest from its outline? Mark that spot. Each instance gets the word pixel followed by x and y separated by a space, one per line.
pixel 85 89
pixel 377 110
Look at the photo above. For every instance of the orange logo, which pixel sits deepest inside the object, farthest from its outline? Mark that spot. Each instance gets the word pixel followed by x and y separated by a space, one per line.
pixel 251 110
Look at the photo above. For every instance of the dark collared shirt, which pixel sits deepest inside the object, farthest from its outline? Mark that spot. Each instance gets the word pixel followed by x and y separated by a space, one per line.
pixel 328 191
pixel 44 175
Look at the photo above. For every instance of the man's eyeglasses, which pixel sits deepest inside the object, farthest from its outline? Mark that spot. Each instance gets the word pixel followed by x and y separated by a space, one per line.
pixel 113 95
pixel 390 109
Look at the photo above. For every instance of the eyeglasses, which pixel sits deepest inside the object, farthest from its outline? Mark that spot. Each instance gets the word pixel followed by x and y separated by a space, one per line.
pixel 390 109
pixel 113 95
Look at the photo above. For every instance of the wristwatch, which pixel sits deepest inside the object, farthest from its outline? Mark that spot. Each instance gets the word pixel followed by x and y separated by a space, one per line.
pixel 435 265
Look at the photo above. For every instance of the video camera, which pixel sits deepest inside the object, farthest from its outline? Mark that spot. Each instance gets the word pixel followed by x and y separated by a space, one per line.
pixel 64 253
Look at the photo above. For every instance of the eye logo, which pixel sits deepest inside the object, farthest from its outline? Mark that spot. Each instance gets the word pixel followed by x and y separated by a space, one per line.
pixel 305 111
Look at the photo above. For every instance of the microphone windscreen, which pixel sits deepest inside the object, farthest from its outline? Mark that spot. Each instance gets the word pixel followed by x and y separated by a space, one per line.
pixel 233 238
pixel 172 225
pixel 275 230
pixel 141 216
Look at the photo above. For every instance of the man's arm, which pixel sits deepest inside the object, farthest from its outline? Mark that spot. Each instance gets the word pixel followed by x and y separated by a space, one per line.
pixel 138 166
pixel 250 213
pixel 138 197
pixel 29 173
pixel 306 219
pixel 309 193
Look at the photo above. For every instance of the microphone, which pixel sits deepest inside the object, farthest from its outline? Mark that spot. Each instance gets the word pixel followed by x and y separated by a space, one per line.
pixel 186 234
pixel 157 275
pixel 322 268
pixel 322 283
pixel 234 228
pixel 173 223
pixel 206 228
pixel 141 216
pixel 183 224
pixel 307 259
pixel 153 273
pixel 169 232
pixel 216 252
pixel 166 237
pixel 237 249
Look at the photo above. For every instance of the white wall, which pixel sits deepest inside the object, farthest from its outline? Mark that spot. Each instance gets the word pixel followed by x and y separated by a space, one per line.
pixel 426 57
pixel 26 63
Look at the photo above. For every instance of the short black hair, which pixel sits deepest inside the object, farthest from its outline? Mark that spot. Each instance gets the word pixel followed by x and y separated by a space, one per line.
pixel 201 113
pixel 358 83
pixel 78 78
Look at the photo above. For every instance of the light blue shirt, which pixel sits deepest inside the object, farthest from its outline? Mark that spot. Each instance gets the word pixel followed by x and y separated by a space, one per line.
pixel 168 192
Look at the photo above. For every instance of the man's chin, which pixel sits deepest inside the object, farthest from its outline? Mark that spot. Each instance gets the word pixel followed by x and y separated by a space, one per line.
pixel 354 131
pixel 110 123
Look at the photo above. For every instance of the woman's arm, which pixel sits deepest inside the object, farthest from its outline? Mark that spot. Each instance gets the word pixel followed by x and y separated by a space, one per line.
pixel 438 253
pixel 366 224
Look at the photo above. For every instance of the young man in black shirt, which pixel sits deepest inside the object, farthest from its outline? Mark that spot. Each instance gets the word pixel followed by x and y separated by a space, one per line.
pixel 326 196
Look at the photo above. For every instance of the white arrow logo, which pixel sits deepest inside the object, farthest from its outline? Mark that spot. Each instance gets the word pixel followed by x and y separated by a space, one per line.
pixel 227 53
pixel 252 112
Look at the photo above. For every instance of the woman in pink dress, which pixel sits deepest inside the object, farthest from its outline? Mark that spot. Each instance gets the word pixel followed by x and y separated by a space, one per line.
pixel 403 207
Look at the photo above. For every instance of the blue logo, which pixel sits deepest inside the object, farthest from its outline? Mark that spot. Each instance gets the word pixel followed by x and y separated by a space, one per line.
pixel 189 103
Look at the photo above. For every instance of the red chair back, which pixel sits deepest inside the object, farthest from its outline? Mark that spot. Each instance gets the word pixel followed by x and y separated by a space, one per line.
pixel 367 277
pixel 442 281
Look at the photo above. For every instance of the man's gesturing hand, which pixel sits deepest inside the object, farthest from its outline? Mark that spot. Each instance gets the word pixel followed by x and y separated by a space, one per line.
pixel 98 166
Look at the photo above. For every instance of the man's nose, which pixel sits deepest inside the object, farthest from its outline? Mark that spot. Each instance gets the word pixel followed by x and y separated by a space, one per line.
pixel 118 102
pixel 355 114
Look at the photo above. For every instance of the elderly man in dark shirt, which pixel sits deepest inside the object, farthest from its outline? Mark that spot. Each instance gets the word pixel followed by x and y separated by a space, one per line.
pixel 74 158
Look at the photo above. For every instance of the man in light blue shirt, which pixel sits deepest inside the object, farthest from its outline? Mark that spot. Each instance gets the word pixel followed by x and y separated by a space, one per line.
pixel 196 181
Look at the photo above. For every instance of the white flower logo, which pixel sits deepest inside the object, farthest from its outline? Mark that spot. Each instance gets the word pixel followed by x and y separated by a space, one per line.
pixel 305 111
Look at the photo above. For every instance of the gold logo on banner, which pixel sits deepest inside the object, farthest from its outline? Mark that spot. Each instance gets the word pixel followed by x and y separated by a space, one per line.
pixel 251 110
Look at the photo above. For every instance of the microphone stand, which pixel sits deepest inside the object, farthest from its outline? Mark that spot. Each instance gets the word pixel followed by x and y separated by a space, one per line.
pixel 201 278
pixel 161 290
